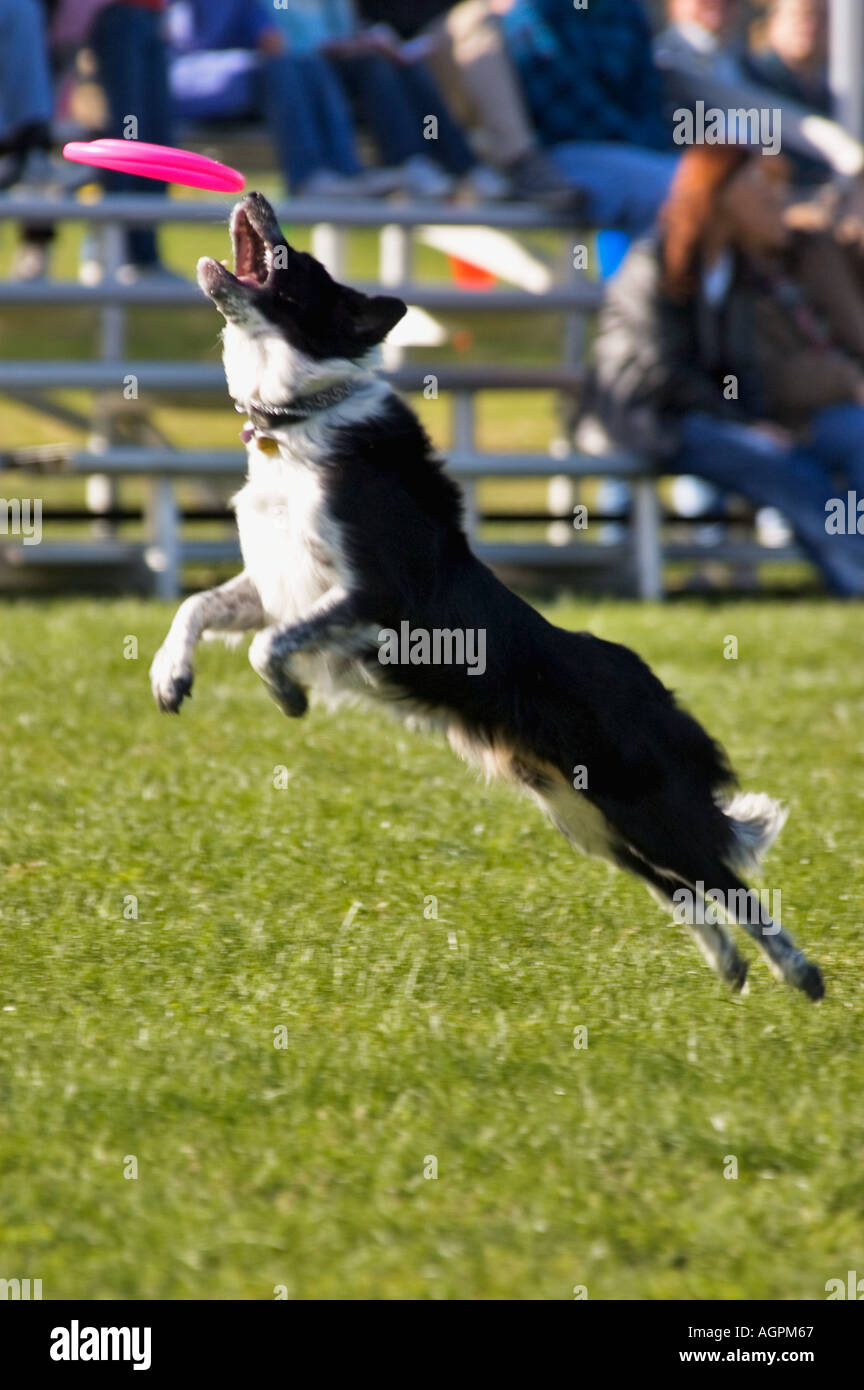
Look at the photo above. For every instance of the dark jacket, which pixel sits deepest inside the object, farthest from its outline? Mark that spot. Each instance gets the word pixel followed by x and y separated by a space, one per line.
pixel 768 69
pixel 407 17
pixel 588 75
pixel 656 360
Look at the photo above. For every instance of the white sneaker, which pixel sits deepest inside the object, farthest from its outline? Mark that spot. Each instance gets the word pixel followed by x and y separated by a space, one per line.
pixel 156 275
pixel 423 178
pixel 31 262
pixel 379 183
pixel 485 185
pixel 90 272
pixel 772 528
pixel 326 183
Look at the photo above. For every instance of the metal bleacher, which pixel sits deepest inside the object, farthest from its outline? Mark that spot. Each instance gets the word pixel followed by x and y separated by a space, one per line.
pixel 161 557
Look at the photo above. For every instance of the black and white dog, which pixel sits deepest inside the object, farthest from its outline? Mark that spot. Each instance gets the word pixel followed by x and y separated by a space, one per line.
pixel 350 529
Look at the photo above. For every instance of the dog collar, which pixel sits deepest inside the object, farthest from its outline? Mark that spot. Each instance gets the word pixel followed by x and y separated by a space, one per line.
pixel 267 418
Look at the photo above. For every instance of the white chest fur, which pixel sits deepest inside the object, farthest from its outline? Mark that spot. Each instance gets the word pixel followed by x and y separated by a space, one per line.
pixel 284 535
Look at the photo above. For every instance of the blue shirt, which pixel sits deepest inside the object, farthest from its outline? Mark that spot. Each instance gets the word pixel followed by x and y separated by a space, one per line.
pixel 309 23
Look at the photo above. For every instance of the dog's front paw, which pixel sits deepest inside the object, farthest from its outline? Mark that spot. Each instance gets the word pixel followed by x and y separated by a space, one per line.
pixel 170 679
pixel 274 671
pixel 810 980
pixel 289 696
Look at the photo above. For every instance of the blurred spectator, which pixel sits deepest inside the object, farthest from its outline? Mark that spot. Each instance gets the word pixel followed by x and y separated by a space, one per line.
pixel 732 348
pixel 394 93
pixel 27 102
pixel 26 108
pixel 467 52
pixel 230 61
pixel 794 59
pixel 794 62
pixel 127 39
pixel 595 99
pixel 702 60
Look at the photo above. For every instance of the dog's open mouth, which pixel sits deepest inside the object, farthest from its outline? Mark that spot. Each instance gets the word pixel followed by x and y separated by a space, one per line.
pixel 253 258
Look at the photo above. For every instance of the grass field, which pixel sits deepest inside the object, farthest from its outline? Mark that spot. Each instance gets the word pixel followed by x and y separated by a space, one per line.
pixel 409 1036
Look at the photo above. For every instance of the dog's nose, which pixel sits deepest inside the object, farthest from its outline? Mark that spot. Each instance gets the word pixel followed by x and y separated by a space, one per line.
pixel 256 205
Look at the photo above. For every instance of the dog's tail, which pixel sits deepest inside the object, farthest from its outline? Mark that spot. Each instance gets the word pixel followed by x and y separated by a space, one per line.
pixel 756 821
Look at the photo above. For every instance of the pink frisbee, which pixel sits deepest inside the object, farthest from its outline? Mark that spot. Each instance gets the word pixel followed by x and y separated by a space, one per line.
pixel 156 162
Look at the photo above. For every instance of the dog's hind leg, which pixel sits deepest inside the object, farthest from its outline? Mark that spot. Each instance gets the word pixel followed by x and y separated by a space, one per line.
pixel 713 940
pixel 588 830
pixel 232 607
pixel 785 961
pixel 719 950
pixel 743 906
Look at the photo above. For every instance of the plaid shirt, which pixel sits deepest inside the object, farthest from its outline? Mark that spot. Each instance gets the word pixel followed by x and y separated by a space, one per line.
pixel 588 74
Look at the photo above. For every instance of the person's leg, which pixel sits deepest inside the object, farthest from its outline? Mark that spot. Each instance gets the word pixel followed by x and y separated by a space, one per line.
pixel 473 69
pixel 472 66
pixel 422 97
pixel 395 102
pixel 625 186
pixel 336 123
pixel 741 459
pixel 374 86
pixel 26 99
pixel 836 437
pixel 154 124
pixel 289 111
pixel 156 115
pixel 131 59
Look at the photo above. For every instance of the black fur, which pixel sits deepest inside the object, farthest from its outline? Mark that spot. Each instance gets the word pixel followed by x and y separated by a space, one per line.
pixel 316 314
pixel 549 701
pixel 568 697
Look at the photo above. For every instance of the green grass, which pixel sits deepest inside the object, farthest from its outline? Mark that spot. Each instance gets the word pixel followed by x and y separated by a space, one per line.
pixel 409 1036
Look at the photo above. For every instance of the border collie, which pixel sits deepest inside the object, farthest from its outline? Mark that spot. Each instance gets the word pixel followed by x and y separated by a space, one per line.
pixel 351 530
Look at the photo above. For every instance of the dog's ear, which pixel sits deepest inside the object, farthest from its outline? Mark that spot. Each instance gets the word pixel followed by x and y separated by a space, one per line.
pixel 375 315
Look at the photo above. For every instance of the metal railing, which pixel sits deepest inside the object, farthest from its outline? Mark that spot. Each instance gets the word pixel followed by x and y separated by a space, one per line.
pixel 397 225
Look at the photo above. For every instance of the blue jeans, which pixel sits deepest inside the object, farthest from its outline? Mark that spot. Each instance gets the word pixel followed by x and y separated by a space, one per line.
pixel 624 184
pixel 133 68
pixel 25 81
pixel 395 99
pixel 301 101
pixel 308 117
pixel 798 481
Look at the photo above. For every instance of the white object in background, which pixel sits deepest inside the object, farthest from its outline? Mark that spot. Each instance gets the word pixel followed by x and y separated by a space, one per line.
pixel 198 75
pixel 496 252
pixel 416 329
pixel 772 528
